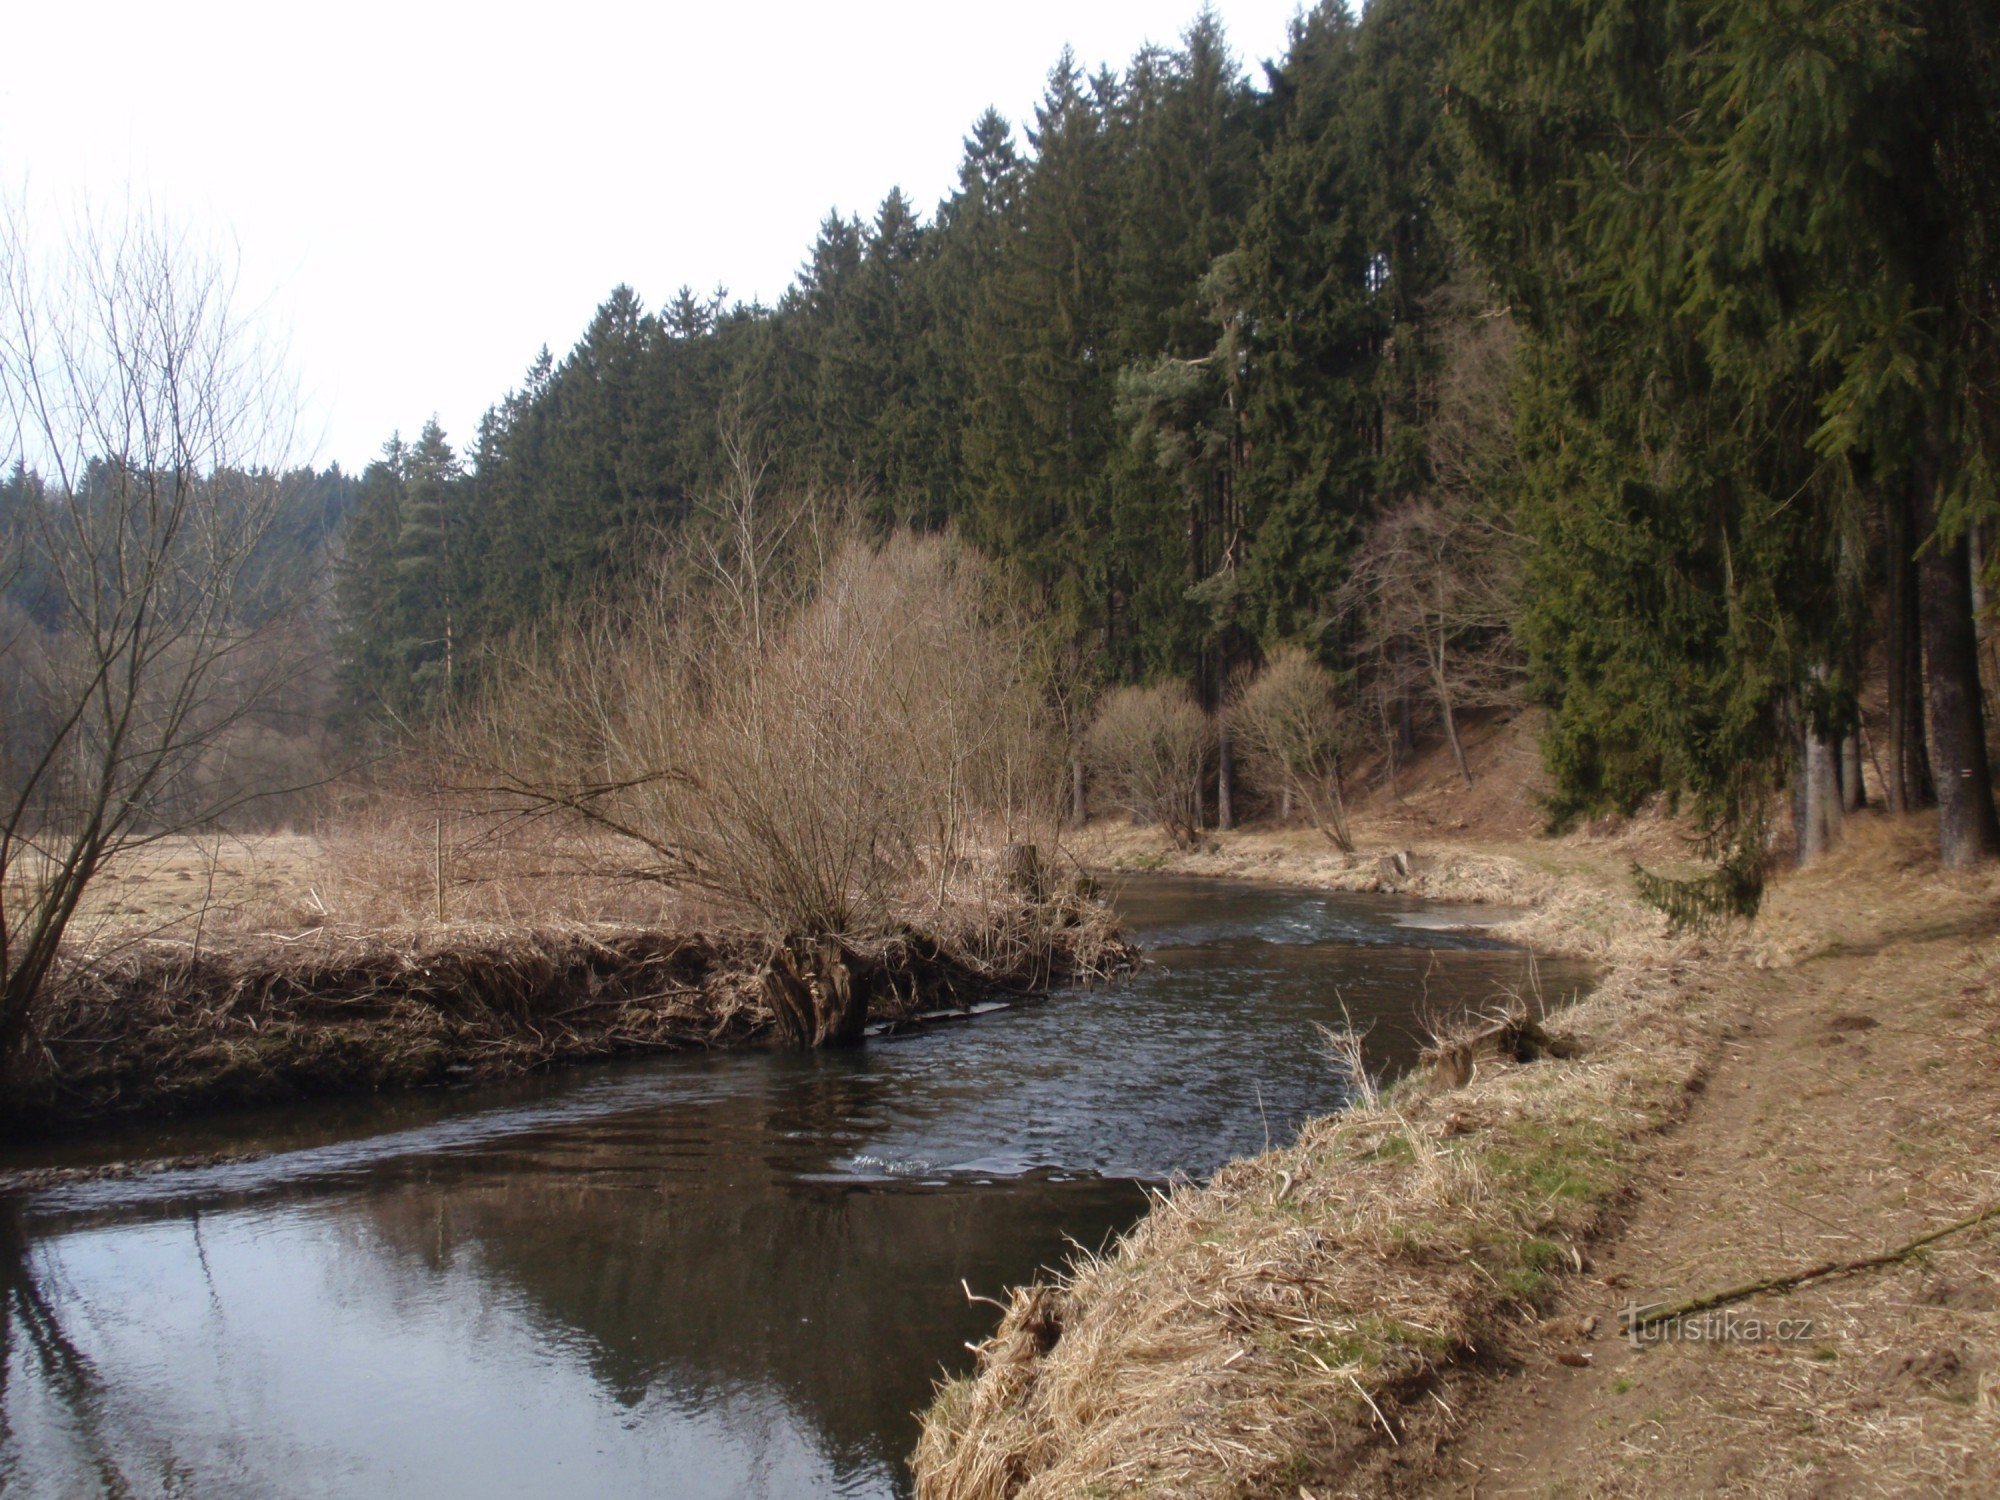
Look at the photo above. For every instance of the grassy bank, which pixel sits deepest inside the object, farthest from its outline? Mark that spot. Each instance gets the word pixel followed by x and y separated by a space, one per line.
pixel 1261 1332
pixel 153 1025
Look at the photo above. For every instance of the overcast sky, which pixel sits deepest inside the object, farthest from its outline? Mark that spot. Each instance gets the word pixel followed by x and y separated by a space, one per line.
pixel 420 195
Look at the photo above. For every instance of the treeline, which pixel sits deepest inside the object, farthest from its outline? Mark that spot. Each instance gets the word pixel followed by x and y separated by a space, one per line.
pixel 1638 361
pixel 1755 255
pixel 1073 360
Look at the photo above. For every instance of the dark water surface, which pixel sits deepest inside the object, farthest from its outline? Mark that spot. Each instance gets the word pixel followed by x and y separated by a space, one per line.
pixel 690 1277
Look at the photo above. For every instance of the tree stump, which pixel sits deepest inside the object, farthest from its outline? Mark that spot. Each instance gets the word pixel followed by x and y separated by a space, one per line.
pixel 1392 869
pixel 814 998
pixel 1021 867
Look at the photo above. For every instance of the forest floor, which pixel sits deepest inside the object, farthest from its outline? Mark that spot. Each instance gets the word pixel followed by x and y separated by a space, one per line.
pixel 1822 1085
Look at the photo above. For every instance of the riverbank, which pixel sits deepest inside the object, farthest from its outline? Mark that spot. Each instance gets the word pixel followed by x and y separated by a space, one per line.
pixel 1347 1314
pixel 154 1026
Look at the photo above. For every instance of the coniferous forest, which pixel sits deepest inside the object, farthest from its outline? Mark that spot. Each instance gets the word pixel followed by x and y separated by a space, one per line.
pixel 1638 362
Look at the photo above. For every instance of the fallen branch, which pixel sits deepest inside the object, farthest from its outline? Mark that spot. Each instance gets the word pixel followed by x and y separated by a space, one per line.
pixel 1793 1280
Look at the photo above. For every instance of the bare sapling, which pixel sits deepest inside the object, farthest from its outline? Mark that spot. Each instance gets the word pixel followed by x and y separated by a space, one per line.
pixel 1152 748
pixel 144 627
pixel 1291 727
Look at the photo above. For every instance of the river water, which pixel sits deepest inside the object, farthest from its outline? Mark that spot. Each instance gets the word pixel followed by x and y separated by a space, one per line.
pixel 693 1277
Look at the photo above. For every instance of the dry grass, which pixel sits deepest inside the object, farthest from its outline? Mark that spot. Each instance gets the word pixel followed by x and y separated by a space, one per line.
pixel 1249 1336
pixel 1854 1105
pixel 372 869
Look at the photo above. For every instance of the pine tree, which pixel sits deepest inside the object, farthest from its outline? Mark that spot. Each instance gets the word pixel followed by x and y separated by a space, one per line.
pixel 365 586
pixel 426 595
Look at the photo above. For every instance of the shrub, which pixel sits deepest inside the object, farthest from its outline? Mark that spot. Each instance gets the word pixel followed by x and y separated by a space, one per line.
pixel 814 758
pixel 1151 748
pixel 1293 735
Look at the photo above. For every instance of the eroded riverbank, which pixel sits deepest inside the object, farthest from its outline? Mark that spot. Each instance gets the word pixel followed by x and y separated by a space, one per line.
pixel 156 1029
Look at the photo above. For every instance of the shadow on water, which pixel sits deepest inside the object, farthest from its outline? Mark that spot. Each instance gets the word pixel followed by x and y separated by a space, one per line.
pixel 739 1273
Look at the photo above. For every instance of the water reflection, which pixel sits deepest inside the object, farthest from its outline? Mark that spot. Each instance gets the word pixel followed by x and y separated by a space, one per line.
pixel 731 1276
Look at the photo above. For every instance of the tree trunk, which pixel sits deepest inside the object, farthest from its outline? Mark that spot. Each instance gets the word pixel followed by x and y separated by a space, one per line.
pixel 1389 756
pixel 1967 828
pixel 1225 778
pixel 1988 652
pixel 1079 805
pixel 1451 734
pixel 1803 851
pixel 1908 771
pixel 1820 814
pixel 1832 815
pixel 815 999
pixel 1853 791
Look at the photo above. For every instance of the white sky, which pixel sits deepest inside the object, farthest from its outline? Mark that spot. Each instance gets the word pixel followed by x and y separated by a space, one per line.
pixel 421 195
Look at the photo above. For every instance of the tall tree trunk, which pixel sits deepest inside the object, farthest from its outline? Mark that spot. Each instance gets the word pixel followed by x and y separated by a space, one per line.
pixel 1819 806
pixel 1803 843
pixel 1079 804
pixel 1832 807
pixel 1908 770
pixel 1438 646
pixel 1968 831
pixel 1225 778
pixel 1984 632
pixel 1853 792
pixel 1217 702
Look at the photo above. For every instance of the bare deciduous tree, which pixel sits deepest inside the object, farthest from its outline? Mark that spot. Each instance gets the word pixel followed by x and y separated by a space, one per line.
pixel 143 425
pixel 1433 588
pixel 1152 748
pixel 1289 721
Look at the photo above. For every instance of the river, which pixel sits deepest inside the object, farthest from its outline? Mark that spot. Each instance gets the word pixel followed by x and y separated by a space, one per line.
pixel 726 1276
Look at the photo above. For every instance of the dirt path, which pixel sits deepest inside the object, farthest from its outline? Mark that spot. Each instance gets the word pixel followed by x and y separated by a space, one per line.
pixel 1855 1104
